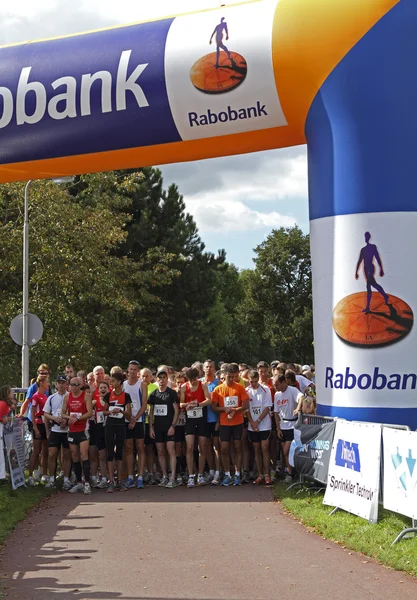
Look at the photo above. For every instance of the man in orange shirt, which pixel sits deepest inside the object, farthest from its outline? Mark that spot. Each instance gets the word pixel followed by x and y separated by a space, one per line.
pixel 231 401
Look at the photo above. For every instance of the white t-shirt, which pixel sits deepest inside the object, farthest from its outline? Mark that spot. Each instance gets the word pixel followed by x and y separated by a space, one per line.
pixel 260 399
pixel 285 404
pixel 135 392
pixel 303 382
pixel 54 406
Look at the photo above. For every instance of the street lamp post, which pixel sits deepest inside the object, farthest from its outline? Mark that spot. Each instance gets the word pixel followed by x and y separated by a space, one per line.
pixel 25 320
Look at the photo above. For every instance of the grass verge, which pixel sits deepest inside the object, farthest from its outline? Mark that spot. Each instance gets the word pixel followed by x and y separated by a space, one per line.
pixel 353 532
pixel 15 504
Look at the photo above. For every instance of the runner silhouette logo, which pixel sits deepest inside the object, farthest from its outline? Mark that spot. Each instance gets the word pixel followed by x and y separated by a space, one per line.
pixel 220 71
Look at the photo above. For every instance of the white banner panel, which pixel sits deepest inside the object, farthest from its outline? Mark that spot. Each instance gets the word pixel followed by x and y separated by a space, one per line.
pixel 353 480
pixel 400 471
pixel 2 461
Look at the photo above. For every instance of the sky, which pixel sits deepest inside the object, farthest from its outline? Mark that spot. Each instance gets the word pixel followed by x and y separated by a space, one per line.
pixel 250 194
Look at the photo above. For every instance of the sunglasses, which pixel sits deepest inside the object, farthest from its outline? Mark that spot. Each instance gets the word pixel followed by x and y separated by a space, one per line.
pixel 75 384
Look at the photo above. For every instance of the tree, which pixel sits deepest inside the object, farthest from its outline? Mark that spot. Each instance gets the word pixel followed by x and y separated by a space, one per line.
pixel 278 299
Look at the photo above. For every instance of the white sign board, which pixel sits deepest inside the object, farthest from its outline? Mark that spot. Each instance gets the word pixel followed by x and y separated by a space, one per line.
pixel 400 471
pixel 2 461
pixel 353 480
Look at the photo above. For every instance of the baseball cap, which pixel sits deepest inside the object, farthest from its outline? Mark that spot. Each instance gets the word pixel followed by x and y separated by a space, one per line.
pixel 274 363
pixel 305 368
pixel 162 372
pixel 61 377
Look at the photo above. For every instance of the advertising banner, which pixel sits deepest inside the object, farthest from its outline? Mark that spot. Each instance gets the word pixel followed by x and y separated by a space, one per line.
pixel 13 441
pixel 354 470
pixel 311 454
pixel 400 471
pixel 2 461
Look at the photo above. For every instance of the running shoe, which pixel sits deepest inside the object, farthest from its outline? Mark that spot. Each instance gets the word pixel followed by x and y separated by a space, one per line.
pixel 259 480
pixel 87 489
pixel 103 485
pixel 37 474
pixel 44 479
pixel 201 480
pixel 209 478
pixel 226 481
pixel 191 482
pixel 129 483
pixel 139 484
pixel 94 481
pixel 67 485
pixel 120 487
pixel 268 480
pixel 50 485
pixel 237 480
pixel 245 478
pixel 171 484
pixel 216 480
pixel 78 487
pixel 31 481
pixel 163 482
pixel 110 489
pixel 179 480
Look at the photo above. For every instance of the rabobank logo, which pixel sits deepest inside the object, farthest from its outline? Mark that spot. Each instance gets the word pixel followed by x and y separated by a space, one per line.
pixel 347 455
pixel 85 94
pixel 68 97
pixel 222 70
pixel 373 317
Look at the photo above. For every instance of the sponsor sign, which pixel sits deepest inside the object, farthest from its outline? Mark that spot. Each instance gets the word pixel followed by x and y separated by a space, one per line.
pixel 312 449
pixel 2 461
pixel 363 304
pixel 196 76
pixel 20 395
pixel 13 441
pixel 354 469
pixel 400 471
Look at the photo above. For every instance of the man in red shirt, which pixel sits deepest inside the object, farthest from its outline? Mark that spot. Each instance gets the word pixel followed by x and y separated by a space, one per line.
pixel 231 400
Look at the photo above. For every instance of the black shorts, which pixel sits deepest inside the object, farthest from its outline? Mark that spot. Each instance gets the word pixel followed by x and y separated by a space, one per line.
pixel 256 437
pixel 92 429
pixel 148 440
pixel 245 422
pixel 287 435
pixel 161 436
pixel 76 437
pixel 100 436
pixel 137 433
pixel 197 427
pixel 180 433
pixel 227 432
pixel 213 432
pixel 58 439
pixel 42 432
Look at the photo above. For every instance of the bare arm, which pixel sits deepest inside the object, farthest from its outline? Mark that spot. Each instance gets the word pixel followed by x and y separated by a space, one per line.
pixel 207 395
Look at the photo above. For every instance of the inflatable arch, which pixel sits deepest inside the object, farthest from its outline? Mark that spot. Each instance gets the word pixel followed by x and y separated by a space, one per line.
pixel 340 76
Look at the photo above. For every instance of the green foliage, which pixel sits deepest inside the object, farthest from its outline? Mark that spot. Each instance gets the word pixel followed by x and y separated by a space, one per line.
pixel 15 504
pixel 352 532
pixel 118 270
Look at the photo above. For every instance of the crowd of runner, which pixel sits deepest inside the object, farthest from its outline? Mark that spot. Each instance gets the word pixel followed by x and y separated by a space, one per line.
pixel 141 427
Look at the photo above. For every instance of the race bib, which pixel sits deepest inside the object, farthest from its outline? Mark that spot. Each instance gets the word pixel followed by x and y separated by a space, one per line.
pixel 256 411
pixel 231 401
pixel 99 417
pixel 76 415
pixel 160 410
pixel 181 420
pixel 195 413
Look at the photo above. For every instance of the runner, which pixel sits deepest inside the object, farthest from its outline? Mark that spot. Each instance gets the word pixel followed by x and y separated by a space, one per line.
pixel 40 439
pixel 231 401
pixel 274 447
pixel 150 450
pixel 98 405
pixel 285 403
pixel 58 434
pixel 180 448
pixel 163 417
pixel 135 429
pixel 213 450
pixel 117 408
pixel 259 429
pixel 77 409
pixel 195 397
pixel 6 404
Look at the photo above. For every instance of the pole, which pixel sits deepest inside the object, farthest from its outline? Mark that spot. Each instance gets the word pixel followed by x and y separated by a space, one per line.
pixel 25 345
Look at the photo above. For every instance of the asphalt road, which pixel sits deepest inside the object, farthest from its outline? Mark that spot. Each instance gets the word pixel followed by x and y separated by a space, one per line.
pixel 200 544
